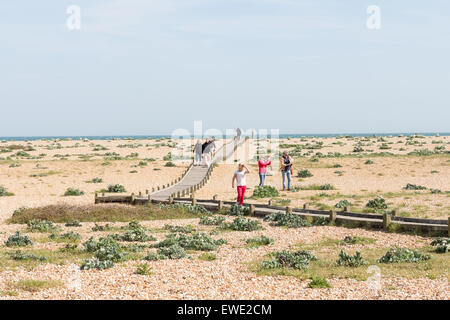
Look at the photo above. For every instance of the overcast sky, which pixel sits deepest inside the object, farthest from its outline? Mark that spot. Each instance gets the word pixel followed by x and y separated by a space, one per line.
pixel 152 66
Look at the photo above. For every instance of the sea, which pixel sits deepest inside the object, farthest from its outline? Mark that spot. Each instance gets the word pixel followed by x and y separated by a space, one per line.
pixel 282 136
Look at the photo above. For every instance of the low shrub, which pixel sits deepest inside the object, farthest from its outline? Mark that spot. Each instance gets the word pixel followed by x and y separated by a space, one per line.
pixel 135 232
pixel 105 227
pixel 378 203
pixel 74 223
pixel 288 259
pixel 342 204
pixel 69 236
pixel 143 269
pixel 116 188
pixel 265 192
pixel 259 241
pixel 169 164
pixel 304 174
pixel 17 240
pixel 411 186
pixel 37 225
pixel 442 245
pixel 211 221
pixel 318 282
pixel 19 255
pixel 242 224
pixel 238 210
pixel 96 264
pixel 172 252
pixel 350 261
pixel 395 255
pixel 195 241
pixel 70 192
pixel 280 219
pixel 180 229
pixel 4 192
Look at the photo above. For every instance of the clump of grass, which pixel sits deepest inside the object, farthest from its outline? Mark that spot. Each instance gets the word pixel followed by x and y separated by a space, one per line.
pixel 19 255
pixel 143 269
pixel 62 213
pixel 207 256
pixel 180 229
pixel 265 192
pixel 318 282
pixel 135 233
pixel 105 227
pixel 304 174
pixel 68 236
pixel 259 241
pixel 342 204
pixel 326 186
pixel 350 261
pixel 369 162
pixel 357 240
pixel 242 224
pixel 4 192
pixel 395 255
pixel 169 164
pixel 106 251
pixel 17 240
pixel 411 186
pixel 34 285
pixel 73 192
pixel 288 259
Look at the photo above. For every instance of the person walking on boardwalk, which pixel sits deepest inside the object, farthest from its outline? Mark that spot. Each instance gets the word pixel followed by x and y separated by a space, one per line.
pixel 198 153
pixel 208 152
pixel 238 134
pixel 239 177
pixel 286 169
pixel 262 164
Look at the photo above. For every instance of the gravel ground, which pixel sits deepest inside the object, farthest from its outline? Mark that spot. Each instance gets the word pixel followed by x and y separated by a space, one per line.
pixel 228 277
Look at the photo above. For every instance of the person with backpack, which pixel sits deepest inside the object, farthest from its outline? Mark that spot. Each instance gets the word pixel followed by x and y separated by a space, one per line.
pixel 286 169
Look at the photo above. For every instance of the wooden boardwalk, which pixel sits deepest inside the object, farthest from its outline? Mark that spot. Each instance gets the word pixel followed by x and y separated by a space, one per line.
pixel 197 174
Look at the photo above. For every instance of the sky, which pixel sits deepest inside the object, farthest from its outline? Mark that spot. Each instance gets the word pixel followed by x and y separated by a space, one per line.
pixel 144 67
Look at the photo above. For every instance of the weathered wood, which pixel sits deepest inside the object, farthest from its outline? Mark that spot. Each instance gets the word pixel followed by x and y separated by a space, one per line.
pixel 332 216
pixel 386 221
pixel 288 210
pixel 252 209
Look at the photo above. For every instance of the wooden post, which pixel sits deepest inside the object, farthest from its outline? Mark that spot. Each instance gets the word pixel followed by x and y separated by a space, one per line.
pixel 194 201
pixel 345 209
pixel 386 221
pixel 153 189
pixel 448 227
pixel 394 212
pixel 96 198
pixel 215 197
pixel 146 191
pixel 103 194
pixel 305 206
pixel 132 198
pixel 252 209
pixel 158 188
pixel 220 206
pixel 269 202
pixel 332 216
pixel 170 199
pixel 178 194
pixel 149 197
pixel 140 194
pixel 288 210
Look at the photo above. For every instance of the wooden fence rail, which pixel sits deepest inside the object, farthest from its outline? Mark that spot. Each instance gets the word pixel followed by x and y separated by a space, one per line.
pixel 386 221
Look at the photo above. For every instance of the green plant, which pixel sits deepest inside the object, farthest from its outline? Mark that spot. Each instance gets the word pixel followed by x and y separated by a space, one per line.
pixel 395 255
pixel 377 203
pixel 116 188
pixel 238 210
pixel 19 255
pixel 207 256
pixel 17 240
pixel 350 261
pixel 265 192
pixel 195 241
pixel 105 227
pixel 304 174
pixel 259 241
pixel 211 221
pixel 342 204
pixel 318 282
pixel 73 192
pixel 95 180
pixel 411 186
pixel 105 249
pixel 4 192
pixel 180 229
pixel 174 251
pixel 288 259
pixel 169 164
pixel 135 232
pixel 74 223
pixel 442 245
pixel 369 162
pixel 143 269
pixel 286 220
pixel 69 236
pixel 96 264
pixel 242 224
pixel 37 225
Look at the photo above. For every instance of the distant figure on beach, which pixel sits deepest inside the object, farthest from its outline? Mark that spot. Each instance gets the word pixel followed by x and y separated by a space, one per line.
pixel 262 164
pixel 212 146
pixel 238 134
pixel 208 151
pixel 239 176
pixel 286 169
pixel 198 153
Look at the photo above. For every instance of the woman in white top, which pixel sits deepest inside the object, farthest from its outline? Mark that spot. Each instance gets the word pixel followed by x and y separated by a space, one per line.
pixel 239 176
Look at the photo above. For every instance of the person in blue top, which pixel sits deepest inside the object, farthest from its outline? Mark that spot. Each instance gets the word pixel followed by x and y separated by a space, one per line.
pixel 286 169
